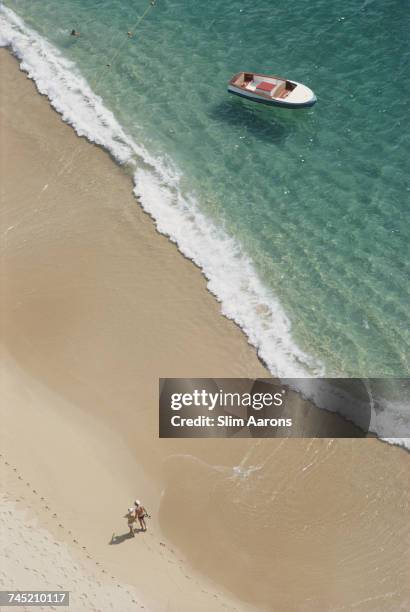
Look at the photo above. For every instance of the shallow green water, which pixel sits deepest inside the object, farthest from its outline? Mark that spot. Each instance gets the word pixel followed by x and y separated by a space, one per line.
pixel 318 198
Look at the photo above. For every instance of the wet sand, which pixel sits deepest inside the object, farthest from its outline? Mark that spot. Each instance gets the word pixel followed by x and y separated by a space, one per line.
pixel 96 307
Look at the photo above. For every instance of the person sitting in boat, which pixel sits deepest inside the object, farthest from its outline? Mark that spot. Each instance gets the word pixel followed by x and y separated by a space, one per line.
pixel 74 33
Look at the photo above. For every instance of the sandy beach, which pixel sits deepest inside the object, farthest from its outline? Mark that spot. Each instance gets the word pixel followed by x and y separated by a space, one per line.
pixel 96 306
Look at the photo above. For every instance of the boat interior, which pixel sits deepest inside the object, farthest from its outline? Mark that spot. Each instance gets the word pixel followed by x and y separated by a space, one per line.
pixel 272 87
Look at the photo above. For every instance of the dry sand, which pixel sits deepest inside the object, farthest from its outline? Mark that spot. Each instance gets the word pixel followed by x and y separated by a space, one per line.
pixel 33 557
pixel 95 307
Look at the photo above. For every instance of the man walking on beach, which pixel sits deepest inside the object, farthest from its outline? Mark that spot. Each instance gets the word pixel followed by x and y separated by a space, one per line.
pixel 140 513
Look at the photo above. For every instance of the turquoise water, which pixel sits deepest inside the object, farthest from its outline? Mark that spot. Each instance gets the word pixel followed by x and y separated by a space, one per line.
pixel 317 198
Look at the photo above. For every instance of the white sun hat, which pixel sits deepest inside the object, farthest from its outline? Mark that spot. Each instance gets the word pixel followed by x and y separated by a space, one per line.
pixel 137 502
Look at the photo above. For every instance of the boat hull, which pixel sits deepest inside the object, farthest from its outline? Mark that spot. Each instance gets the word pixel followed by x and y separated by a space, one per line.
pixel 270 102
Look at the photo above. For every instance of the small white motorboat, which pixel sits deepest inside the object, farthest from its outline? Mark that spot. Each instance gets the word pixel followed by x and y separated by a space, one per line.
pixel 272 90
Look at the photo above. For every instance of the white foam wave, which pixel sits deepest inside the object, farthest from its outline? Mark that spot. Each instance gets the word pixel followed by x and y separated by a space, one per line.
pixel 389 419
pixel 404 442
pixel 231 275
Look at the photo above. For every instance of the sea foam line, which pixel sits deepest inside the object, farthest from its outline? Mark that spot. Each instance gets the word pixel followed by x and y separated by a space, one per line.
pixel 230 273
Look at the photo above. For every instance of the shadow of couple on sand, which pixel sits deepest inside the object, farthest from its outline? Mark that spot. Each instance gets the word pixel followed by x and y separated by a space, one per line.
pixel 119 539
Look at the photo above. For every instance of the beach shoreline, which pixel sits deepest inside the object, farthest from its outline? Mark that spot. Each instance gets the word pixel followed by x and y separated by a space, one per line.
pixel 97 307
pixel 67 293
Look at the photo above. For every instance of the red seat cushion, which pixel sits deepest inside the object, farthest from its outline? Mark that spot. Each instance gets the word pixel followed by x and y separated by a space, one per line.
pixel 265 86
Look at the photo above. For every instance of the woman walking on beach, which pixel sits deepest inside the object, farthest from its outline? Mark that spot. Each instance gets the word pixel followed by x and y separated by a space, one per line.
pixel 131 518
